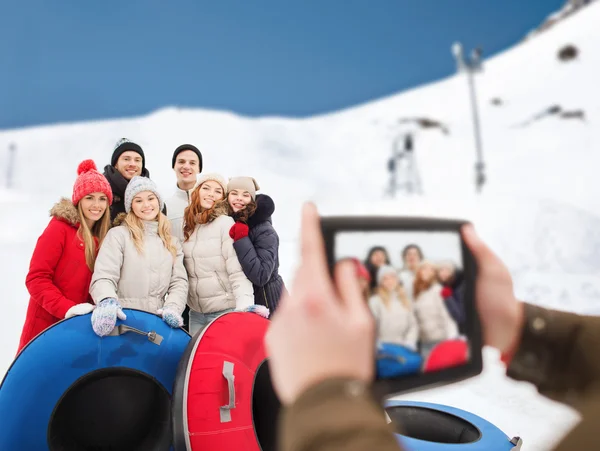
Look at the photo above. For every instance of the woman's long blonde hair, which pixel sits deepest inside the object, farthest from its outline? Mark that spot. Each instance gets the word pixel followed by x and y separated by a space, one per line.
pixel 87 235
pixel 136 230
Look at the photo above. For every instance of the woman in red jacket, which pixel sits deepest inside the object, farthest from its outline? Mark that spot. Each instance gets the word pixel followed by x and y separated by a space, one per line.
pixel 63 259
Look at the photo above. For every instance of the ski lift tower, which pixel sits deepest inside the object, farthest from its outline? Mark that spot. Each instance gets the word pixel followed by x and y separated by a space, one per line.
pixel 402 167
pixel 471 67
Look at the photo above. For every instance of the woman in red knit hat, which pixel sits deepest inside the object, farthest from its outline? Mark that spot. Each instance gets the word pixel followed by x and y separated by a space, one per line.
pixel 63 259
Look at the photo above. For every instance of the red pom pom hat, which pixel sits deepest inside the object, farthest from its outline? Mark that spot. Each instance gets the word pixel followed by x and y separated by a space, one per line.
pixel 88 181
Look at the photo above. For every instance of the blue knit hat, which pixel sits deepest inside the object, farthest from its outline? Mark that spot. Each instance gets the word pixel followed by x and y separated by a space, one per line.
pixel 137 185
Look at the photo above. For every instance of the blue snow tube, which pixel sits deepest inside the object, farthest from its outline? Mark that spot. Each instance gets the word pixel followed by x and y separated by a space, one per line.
pixel 69 389
pixel 435 427
pixel 394 360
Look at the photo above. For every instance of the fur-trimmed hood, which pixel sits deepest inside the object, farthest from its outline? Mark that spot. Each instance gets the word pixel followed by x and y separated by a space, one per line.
pixel 119 219
pixel 265 207
pixel 64 210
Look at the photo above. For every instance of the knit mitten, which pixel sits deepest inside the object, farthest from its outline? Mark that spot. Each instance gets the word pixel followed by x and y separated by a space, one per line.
pixel 80 309
pixel 104 317
pixel 446 292
pixel 238 231
pixel 171 317
pixel 258 309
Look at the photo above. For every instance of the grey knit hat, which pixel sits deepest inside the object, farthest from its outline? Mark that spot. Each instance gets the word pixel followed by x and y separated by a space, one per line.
pixel 137 185
pixel 245 184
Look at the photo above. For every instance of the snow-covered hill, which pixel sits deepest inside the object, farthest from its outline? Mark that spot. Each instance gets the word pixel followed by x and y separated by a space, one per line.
pixel 539 209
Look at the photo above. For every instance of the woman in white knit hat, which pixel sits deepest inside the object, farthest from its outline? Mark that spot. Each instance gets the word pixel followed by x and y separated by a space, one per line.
pixel 217 282
pixel 392 310
pixel 140 264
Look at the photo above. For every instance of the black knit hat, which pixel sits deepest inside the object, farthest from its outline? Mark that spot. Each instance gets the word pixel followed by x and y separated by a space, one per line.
pixel 124 145
pixel 187 147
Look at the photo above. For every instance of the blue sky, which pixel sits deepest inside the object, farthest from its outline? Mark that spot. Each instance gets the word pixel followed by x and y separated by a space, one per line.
pixel 73 60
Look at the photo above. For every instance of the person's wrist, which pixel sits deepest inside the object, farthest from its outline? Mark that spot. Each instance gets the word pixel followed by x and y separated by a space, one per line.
pixel 348 384
pixel 319 380
pixel 514 330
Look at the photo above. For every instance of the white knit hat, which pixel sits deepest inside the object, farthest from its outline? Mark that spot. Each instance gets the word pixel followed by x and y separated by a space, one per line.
pixel 384 271
pixel 201 178
pixel 137 185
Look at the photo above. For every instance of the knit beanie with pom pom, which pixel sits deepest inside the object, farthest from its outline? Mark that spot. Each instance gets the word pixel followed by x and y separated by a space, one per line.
pixel 89 181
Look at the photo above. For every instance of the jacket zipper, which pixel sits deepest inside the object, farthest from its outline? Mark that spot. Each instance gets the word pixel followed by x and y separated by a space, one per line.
pixel 221 282
pixel 195 273
pixel 266 300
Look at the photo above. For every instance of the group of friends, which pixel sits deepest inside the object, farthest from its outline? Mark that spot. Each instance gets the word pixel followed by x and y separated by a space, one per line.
pixel 118 243
pixel 417 306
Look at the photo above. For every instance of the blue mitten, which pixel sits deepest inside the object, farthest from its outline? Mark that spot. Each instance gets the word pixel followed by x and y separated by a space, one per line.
pixel 104 317
pixel 171 317
pixel 258 309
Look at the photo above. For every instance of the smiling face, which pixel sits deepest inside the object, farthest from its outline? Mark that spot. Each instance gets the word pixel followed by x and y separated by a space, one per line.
pixel 239 199
pixel 145 205
pixel 445 274
pixel 93 206
pixel 129 164
pixel 389 281
pixel 412 258
pixel 210 192
pixel 427 273
pixel 378 258
pixel 187 167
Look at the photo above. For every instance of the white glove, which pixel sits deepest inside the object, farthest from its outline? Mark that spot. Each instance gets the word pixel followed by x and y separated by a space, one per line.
pixel 80 309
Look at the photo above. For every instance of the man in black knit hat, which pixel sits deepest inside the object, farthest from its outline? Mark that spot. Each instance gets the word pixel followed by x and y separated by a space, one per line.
pixel 127 161
pixel 187 164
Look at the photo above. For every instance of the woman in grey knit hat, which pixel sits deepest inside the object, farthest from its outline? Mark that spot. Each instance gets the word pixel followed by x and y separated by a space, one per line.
pixel 140 264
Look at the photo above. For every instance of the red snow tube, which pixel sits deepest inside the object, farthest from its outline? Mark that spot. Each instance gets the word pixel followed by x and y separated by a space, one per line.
pixel 223 398
pixel 446 355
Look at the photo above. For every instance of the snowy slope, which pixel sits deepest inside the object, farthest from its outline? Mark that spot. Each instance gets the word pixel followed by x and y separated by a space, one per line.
pixel 538 211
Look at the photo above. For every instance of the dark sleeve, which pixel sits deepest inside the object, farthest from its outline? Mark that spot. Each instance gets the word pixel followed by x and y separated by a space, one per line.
pixel 335 415
pixel 454 304
pixel 558 354
pixel 258 258
pixel 585 434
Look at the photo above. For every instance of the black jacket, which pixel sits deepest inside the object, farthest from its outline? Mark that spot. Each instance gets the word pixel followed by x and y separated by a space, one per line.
pixel 258 254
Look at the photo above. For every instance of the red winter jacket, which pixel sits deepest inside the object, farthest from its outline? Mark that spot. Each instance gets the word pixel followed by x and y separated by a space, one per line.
pixel 58 275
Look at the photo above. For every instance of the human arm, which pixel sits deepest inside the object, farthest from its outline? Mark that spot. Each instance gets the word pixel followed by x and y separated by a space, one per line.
pixel 240 284
pixel 107 269
pixel 40 278
pixel 336 415
pixel 258 258
pixel 178 285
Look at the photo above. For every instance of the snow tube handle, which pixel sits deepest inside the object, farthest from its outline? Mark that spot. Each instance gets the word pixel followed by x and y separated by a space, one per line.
pixel 123 329
pixel 225 411
pixel 518 442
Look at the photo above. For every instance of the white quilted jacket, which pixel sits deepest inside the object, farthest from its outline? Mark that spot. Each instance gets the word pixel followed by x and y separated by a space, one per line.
pixel 216 279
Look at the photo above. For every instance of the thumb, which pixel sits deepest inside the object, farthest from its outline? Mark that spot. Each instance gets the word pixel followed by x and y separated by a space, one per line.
pixel 121 315
pixel 480 250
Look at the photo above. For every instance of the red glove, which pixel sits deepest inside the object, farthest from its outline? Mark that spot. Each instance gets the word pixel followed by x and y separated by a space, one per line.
pixel 238 231
pixel 446 292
